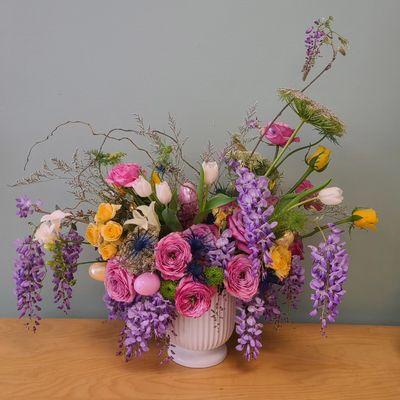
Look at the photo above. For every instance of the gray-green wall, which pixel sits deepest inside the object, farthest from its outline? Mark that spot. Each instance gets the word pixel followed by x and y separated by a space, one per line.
pixel 205 62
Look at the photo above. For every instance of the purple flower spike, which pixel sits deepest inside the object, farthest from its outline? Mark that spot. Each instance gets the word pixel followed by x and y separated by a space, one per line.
pixel 25 206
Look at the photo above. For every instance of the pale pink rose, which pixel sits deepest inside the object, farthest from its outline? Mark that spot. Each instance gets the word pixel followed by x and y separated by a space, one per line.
pixel 172 256
pixel 279 133
pixel 119 282
pixel 193 299
pixel 123 174
pixel 235 224
pixel 240 279
pixel 306 185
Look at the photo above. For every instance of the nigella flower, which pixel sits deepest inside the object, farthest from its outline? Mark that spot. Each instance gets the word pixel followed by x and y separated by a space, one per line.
pixel 148 318
pixel 329 273
pixel 137 251
pixel 249 328
pixel 26 206
pixel 293 285
pixel 29 272
pixel 201 239
pixel 64 264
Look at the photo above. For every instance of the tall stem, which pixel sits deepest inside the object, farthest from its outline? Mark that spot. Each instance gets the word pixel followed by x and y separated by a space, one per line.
pixel 280 154
pixel 303 177
pixel 322 228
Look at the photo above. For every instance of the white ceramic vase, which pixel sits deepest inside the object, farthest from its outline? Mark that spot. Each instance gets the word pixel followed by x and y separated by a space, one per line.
pixel 200 342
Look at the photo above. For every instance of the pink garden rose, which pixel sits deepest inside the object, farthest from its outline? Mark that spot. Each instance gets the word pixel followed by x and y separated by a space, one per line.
pixel 193 299
pixel 172 256
pixel 240 280
pixel 279 133
pixel 123 174
pixel 119 282
pixel 235 224
pixel 306 185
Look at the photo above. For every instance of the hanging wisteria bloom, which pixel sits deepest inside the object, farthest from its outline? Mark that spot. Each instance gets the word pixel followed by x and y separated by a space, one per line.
pixel 293 285
pixel 329 273
pixel 29 272
pixel 116 309
pixel 26 206
pixel 224 250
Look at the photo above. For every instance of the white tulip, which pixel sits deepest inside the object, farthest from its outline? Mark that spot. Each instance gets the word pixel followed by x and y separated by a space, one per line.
pixel 46 233
pixel 142 187
pixel 55 218
pixel 210 169
pixel 163 192
pixel 332 196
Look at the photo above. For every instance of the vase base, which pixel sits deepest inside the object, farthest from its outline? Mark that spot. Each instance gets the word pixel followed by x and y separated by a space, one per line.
pixel 197 359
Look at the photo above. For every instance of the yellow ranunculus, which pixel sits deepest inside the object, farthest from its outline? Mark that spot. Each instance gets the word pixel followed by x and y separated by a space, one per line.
pixel 106 211
pixel 369 218
pixel 93 234
pixel 319 159
pixel 281 261
pixel 107 250
pixel 111 231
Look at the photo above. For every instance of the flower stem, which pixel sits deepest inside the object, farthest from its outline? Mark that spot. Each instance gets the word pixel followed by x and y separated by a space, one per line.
pixel 280 154
pixel 303 178
pixel 303 202
pixel 322 228
pixel 87 262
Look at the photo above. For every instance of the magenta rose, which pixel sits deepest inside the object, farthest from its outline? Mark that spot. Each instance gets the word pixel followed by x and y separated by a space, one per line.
pixel 306 185
pixel 119 282
pixel 172 256
pixel 235 224
pixel 193 299
pixel 123 174
pixel 279 133
pixel 240 279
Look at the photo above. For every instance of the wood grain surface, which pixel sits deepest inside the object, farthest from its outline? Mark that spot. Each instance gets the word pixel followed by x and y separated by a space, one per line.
pixel 75 359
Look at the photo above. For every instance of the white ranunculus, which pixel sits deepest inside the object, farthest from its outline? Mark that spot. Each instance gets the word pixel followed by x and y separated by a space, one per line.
pixel 332 196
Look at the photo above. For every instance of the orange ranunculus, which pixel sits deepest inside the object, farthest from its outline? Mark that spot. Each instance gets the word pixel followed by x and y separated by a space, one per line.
pixel 107 250
pixel 281 261
pixel 111 231
pixel 93 234
pixel 105 212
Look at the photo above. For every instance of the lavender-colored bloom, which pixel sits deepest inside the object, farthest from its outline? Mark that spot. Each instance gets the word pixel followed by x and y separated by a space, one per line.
pixel 148 318
pixel 272 311
pixel 249 327
pixel 116 309
pixel 293 285
pixel 25 206
pixel 314 40
pixel 29 272
pixel 329 272
pixel 224 251
pixel 253 201
pixel 66 255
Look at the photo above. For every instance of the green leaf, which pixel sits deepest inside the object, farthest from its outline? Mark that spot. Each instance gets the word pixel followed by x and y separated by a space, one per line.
pixel 171 220
pixel 200 189
pixel 220 199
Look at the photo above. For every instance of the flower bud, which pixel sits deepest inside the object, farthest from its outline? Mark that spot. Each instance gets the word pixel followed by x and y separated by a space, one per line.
pixel 163 192
pixel 368 218
pixel 187 193
pixel 142 187
pixel 332 196
pixel 210 169
pixel 319 160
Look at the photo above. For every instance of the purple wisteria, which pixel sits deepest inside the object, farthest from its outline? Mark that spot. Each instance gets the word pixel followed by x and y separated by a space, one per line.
pixel 64 265
pixel 29 272
pixel 225 249
pixel 148 318
pixel 253 195
pixel 26 206
pixel 293 285
pixel 314 40
pixel 116 309
pixel 249 328
pixel 329 272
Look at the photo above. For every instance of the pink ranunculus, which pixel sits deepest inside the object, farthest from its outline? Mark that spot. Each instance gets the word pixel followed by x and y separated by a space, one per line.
pixel 119 282
pixel 279 133
pixel 241 280
pixel 123 174
pixel 306 185
pixel 235 224
pixel 193 299
pixel 172 256
pixel 296 248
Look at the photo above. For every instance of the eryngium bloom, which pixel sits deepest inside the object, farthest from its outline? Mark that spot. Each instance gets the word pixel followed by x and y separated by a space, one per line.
pixel 313 113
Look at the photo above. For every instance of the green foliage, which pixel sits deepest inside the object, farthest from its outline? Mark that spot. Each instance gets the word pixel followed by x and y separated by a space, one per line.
pixel 218 200
pixel 168 289
pixel 293 220
pixel 171 220
pixel 107 159
pixel 214 275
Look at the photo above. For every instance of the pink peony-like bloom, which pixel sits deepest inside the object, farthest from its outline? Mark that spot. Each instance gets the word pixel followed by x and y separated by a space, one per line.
pixel 279 133
pixel 241 280
pixel 119 282
pixel 193 299
pixel 123 174
pixel 235 224
pixel 306 185
pixel 172 256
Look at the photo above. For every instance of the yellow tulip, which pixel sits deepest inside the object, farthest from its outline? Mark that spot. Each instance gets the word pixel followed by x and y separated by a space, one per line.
pixel 319 159
pixel 106 211
pixel 111 231
pixel 281 258
pixel 107 250
pixel 368 220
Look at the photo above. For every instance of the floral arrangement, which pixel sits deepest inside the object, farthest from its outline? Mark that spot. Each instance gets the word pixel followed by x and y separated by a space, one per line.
pixel 170 235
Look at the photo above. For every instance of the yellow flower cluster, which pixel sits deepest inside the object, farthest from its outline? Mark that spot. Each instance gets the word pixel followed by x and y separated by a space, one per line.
pixel 281 258
pixel 105 233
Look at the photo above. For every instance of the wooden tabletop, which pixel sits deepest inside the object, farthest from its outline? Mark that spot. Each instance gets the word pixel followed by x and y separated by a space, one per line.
pixel 75 359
